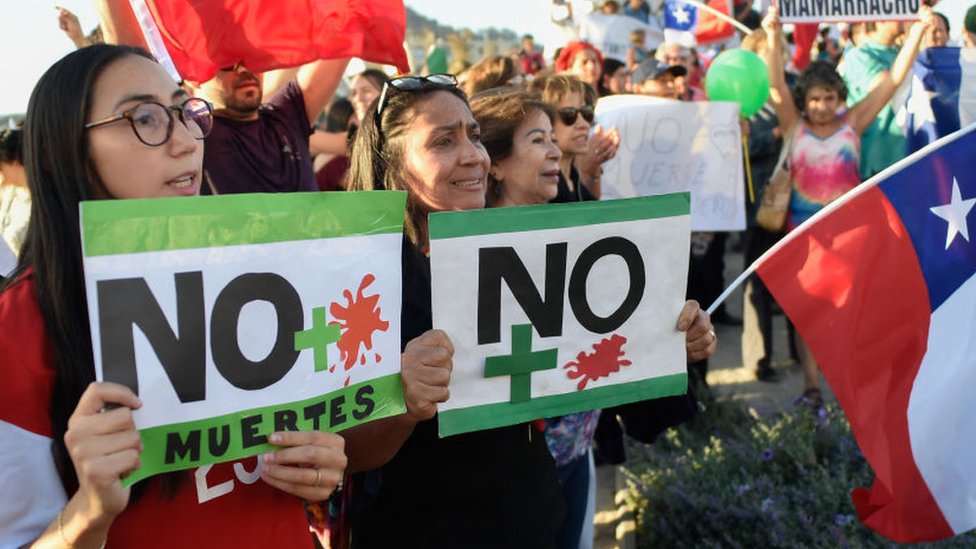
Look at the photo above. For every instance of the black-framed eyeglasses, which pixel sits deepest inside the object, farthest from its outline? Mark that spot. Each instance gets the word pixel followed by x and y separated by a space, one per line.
pixel 152 122
pixel 568 115
pixel 412 84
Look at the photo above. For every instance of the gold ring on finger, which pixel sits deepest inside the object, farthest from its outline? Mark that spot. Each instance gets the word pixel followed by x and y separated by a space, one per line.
pixel 318 478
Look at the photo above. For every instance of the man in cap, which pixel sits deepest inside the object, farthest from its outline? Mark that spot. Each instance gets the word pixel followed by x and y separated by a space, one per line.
pixel 656 78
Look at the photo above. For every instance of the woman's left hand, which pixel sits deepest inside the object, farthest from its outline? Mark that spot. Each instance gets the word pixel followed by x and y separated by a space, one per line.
pixel 309 464
pixel 700 339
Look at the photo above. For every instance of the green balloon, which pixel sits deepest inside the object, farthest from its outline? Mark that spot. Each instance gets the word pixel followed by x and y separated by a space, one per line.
pixel 740 76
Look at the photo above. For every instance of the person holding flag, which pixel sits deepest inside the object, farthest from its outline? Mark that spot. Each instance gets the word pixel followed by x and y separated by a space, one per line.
pixel 823 147
pixel 261 144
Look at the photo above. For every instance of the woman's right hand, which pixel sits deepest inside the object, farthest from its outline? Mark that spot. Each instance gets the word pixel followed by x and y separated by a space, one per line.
pixel 104 446
pixel 425 368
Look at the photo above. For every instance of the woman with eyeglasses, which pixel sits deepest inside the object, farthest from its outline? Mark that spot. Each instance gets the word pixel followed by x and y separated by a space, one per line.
pixel 492 488
pixel 106 122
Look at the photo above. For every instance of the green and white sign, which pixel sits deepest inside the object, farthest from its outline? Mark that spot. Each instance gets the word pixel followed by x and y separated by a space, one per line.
pixel 236 316
pixel 560 308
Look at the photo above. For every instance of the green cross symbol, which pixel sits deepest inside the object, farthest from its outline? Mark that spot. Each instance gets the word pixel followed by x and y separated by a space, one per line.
pixel 318 338
pixel 521 363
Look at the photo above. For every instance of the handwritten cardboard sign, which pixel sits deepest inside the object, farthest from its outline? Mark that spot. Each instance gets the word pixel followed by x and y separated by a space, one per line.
pixel 671 146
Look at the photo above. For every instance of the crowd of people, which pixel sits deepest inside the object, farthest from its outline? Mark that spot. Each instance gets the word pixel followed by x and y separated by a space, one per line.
pixel 107 122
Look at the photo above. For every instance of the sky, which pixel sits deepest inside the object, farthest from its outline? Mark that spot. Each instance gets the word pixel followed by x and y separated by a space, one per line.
pixel 30 40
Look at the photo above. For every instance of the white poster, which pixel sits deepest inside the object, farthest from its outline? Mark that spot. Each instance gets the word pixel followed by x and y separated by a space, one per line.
pixel 671 146
pixel 235 316
pixel 559 308
pixel 611 33
pixel 838 11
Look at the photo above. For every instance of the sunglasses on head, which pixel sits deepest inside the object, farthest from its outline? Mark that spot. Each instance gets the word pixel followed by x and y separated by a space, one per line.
pixel 413 84
pixel 567 115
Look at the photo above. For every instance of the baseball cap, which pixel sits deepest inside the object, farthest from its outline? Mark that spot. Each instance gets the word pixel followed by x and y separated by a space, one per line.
pixel 652 68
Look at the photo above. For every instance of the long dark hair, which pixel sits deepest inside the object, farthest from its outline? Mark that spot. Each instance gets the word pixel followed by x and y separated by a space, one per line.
pixel 59 176
pixel 376 161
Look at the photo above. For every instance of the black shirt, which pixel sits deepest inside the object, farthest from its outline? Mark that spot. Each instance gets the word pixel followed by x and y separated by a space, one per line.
pixel 493 488
pixel 580 194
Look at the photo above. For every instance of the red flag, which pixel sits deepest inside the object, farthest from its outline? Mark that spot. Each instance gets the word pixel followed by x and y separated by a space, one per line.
pixel 204 35
pixel 804 35
pixel 712 28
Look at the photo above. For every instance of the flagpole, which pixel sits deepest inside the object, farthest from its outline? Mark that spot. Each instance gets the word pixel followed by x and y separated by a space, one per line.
pixel 724 16
pixel 826 210
pixel 153 38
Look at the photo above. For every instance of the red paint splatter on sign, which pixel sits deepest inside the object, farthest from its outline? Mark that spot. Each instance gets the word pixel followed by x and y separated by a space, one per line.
pixel 358 320
pixel 605 359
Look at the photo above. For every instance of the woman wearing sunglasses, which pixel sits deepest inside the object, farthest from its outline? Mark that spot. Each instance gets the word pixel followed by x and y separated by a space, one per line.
pixel 106 122
pixel 493 488
pixel 583 153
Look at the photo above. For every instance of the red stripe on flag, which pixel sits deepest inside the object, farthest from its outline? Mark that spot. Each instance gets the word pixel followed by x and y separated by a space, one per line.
pixel 852 285
pixel 712 28
pixel 203 36
pixel 804 35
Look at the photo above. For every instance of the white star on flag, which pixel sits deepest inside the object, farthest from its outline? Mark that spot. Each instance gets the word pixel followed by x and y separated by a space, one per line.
pixel 920 104
pixel 955 213
pixel 681 15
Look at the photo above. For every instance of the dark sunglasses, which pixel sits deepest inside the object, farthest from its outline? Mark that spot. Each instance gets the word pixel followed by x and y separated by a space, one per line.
pixel 567 115
pixel 413 84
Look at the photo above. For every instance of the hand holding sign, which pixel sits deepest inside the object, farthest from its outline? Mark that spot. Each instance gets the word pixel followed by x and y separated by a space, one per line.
pixel 104 446
pixel 310 465
pixel 426 371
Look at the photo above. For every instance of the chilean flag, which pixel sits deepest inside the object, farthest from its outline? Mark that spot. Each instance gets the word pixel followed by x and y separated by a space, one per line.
pixel 881 286
pixel 942 98
pixel 201 36
pixel 686 24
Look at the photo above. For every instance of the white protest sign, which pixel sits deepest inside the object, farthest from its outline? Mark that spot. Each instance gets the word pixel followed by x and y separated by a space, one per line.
pixel 671 146
pixel 559 308
pixel 236 316
pixel 838 11
pixel 611 33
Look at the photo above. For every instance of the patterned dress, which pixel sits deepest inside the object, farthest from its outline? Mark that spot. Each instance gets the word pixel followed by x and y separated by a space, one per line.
pixel 822 169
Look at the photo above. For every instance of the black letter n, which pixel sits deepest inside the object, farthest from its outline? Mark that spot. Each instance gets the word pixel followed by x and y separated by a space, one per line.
pixel 497 264
pixel 126 302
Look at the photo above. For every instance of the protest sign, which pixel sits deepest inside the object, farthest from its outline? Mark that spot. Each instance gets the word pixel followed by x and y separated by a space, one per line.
pixel 671 146
pixel 838 11
pixel 236 316
pixel 559 308
pixel 611 33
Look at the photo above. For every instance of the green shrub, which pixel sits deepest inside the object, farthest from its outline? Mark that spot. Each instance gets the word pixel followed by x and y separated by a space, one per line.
pixel 734 479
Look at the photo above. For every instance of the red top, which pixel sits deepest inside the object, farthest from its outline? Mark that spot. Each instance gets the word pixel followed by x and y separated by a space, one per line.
pixel 225 505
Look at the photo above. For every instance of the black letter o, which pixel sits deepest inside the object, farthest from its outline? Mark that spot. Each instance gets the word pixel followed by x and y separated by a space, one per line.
pixel 236 368
pixel 613 245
